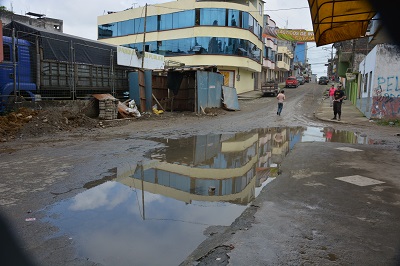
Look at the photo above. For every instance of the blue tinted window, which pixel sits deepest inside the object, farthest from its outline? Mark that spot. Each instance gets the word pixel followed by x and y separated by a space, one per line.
pixel 273 56
pixel 183 19
pixel 166 22
pixel 107 30
pixel 233 18
pixel 139 25
pixel 151 24
pixel 251 23
pixel 151 47
pixel 213 16
pixel 232 46
pixel 126 27
pixel 245 20
pixel 203 45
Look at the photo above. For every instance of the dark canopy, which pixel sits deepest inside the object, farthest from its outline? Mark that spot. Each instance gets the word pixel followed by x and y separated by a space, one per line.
pixel 59 46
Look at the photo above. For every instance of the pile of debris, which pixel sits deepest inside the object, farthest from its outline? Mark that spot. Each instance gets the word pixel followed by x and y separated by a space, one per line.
pixel 11 123
pixel 27 122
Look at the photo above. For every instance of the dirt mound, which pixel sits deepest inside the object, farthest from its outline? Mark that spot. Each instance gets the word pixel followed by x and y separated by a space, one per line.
pixel 11 123
pixel 28 122
pixel 61 117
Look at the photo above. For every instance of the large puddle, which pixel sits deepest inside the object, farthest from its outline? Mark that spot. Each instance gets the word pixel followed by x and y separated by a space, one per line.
pixel 155 213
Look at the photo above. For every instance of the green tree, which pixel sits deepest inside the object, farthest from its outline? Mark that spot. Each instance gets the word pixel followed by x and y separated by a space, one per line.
pixel 5 10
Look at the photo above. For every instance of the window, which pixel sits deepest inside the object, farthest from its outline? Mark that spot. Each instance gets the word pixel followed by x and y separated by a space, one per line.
pixel 139 25
pixel 6 52
pixel 183 19
pixel 233 18
pixel 166 22
pixel 212 16
pixel 202 45
pixel 245 20
pixel 370 81
pixel 126 27
pixel 152 23
pixel 365 82
pixel 107 30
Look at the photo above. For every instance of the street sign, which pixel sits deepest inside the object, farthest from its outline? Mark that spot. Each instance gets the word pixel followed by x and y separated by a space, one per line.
pixel 351 76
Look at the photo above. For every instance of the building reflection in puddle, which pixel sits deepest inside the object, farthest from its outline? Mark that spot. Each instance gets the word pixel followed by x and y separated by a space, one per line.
pixel 223 168
pixel 146 212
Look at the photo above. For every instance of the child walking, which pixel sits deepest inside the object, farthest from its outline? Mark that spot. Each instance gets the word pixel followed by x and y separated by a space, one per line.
pixel 281 98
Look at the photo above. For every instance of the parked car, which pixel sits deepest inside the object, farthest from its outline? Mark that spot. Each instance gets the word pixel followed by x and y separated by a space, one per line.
pixel 301 80
pixel 323 80
pixel 291 82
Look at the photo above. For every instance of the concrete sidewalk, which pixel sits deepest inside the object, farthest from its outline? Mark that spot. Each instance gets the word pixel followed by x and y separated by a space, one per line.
pixel 350 113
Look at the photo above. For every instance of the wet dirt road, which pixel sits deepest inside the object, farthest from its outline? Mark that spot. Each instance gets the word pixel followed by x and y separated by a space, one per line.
pixel 37 173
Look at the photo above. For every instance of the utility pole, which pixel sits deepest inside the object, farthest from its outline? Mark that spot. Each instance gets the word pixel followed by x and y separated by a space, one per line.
pixel 144 34
pixel 332 60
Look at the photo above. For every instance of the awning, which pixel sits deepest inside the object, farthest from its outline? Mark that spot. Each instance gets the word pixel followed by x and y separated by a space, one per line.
pixel 339 20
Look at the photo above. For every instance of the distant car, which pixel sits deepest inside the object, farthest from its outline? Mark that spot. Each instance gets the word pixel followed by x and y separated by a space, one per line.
pixel 323 80
pixel 307 79
pixel 291 82
pixel 301 80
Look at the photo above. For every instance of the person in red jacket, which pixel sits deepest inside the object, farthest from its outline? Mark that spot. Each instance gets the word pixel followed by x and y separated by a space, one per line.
pixel 331 94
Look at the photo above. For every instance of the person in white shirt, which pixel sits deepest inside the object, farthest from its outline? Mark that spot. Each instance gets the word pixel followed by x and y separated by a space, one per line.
pixel 281 98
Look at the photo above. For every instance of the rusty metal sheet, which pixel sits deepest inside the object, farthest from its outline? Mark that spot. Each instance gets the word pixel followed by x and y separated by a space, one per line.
pixel 230 99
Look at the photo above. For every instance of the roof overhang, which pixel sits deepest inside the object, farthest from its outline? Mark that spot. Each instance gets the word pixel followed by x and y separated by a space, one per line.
pixel 340 20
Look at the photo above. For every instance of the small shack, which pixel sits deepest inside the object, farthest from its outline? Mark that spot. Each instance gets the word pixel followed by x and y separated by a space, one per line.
pixel 187 88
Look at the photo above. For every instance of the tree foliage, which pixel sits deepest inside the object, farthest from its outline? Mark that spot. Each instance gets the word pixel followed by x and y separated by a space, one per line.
pixel 5 10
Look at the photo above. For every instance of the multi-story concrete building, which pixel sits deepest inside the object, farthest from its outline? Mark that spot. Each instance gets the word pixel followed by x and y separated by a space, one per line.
pixel 284 61
pixel 300 61
pixel 225 34
pixel 33 19
pixel 269 52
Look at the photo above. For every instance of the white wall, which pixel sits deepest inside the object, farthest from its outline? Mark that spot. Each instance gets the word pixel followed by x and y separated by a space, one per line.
pixel 381 100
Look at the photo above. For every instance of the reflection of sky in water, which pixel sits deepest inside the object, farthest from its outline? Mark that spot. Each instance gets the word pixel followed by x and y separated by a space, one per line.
pixel 329 134
pixel 313 134
pixel 106 224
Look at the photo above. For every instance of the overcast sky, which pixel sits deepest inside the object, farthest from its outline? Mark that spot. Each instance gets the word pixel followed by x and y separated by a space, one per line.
pixel 80 18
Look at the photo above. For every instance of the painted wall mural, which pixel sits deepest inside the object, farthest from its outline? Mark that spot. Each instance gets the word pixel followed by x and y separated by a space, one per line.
pixel 386 98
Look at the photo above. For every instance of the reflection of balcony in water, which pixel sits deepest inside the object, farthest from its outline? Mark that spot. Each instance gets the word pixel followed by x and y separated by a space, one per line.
pixel 212 168
pixel 215 167
pixel 280 145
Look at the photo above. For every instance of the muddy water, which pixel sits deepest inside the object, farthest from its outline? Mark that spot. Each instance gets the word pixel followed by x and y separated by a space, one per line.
pixel 156 212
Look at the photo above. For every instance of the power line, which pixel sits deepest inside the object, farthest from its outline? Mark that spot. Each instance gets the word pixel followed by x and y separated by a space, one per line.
pixel 282 9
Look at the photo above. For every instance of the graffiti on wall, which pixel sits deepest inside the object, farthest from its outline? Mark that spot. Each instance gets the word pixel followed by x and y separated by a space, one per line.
pixel 386 98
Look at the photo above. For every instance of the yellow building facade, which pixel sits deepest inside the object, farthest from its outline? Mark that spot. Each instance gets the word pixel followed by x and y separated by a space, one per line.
pixel 195 33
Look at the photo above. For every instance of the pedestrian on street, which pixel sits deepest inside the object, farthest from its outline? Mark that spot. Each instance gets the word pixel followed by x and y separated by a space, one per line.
pixel 281 98
pixel 339 96
pixel 331 94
